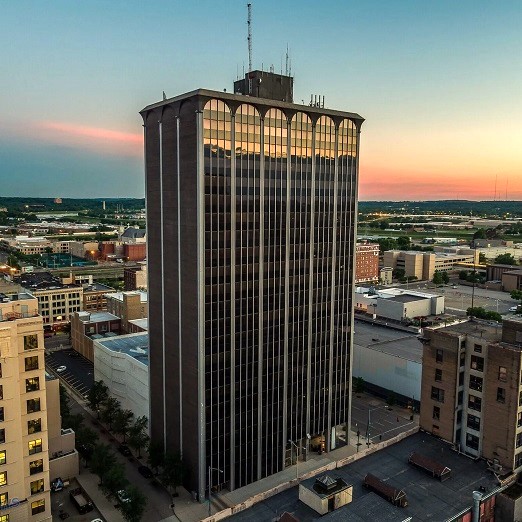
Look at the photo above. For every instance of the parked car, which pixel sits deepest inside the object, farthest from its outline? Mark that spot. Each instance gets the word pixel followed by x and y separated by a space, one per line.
pixel 513 309
pixel 124 450
pixel 61 369
pixel 122 496
pixel 145 471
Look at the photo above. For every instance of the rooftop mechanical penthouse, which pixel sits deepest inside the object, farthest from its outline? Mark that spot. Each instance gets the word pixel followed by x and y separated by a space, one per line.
pixel 252 205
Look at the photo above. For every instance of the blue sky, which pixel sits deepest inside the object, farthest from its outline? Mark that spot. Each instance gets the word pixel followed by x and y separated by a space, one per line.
pixel 439 84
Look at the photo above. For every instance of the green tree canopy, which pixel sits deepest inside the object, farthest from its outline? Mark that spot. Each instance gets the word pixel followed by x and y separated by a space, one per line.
pixel 505 259
pixel 133 510
pixel 97 395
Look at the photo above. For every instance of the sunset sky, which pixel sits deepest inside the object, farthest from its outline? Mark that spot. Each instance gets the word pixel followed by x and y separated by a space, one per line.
pixel 438 82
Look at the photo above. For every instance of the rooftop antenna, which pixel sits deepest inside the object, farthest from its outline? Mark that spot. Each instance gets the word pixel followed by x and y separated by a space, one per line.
pixel 249 38
pixel 286 66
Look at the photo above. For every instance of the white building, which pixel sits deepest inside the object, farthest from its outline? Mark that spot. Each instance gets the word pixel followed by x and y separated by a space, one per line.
pixel 122 363
pixel 397 303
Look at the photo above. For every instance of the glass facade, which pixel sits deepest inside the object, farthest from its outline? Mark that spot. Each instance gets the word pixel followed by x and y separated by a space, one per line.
pixel 279 226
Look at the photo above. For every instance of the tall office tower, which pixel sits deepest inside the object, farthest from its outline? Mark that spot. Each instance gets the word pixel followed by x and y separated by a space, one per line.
pixel 24 458
pixel 251 205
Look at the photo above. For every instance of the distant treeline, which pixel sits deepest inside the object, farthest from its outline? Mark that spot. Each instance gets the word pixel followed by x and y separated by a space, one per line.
pixel 452 206
pixel 69 204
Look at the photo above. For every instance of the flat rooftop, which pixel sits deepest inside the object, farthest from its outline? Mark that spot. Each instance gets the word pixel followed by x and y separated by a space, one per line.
pixel 135 345
pixel 428 498
pixel 486 330
pixel 388 340
pixel 407 298
pixel 18 296
pixel 97 317
pixel 119 295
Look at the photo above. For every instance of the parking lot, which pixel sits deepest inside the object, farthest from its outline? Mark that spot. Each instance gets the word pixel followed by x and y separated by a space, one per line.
pixel 61 504
pixel 78 373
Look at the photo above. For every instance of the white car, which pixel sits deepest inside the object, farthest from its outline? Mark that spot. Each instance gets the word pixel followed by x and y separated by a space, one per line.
pixel 122 496
pixel 513 309
pixel 61 369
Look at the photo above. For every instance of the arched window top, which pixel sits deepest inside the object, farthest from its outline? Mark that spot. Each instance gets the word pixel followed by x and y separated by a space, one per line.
pixel 217 105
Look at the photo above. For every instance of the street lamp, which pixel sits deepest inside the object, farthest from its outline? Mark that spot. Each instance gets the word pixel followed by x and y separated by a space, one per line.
pixel 296 458
pixel 210 469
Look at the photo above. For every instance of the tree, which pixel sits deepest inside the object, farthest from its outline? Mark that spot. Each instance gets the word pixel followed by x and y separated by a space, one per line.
pixel 481 313
pixel 463 275
pixel 156 455
pixel 516 294
pixel 74 422
pixel 386 243
pixel 445 277
pixel 358 385
pixel 173 471
pixel 398 273
pixel 115 479
pixel 86 436
pixel 138 437
pixel 482 258
pixel 505 259
pixel 480 234
pixel 102 460
pixel 437 278
pixel 403 242
pixel 97 395
pixel 111 407
pixel 122 423
pixel 133 510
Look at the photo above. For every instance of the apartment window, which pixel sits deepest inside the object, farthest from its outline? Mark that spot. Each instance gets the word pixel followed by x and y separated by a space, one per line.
pixel 35 446
pixel 30 342
pixel 34 426
pixel 2 457
pixel 518 442
pixel 436 412
pixel 1 392
pixel 475 383
pixel 36 466
pixel 38 506
pixel 477 363
pixel 437 394
pixel 501 395
pixel 0 363
pixel 33 405
pixel 502 373
pixel 2 436
pixel 472 441
pixel 3 478
pixel 473 422
pixel 32 384
pixel 477 348
pixel 460 397
pixel 461 378
pixel 31 363
pixel 462 358
pixel 474 403
pixel 37 486
pixel 438 374
pixel 4 500
pixel 519 419
pixel 439 355
pixel 518 460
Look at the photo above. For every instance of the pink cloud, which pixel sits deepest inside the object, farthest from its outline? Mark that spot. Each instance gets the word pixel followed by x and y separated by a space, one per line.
pixel 91 138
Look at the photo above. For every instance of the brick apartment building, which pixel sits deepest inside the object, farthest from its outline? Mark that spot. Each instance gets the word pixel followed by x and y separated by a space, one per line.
pixel 366 263
pixel 472 389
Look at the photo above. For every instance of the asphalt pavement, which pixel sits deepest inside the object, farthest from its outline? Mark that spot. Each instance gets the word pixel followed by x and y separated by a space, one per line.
pixel 79 372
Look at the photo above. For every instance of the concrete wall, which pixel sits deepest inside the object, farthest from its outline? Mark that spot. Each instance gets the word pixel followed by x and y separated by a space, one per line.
pixel 387 371
pixel 126 378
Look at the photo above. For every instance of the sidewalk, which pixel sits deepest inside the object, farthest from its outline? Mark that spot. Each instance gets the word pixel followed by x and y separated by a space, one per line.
pixel 188 510
pixel 89 482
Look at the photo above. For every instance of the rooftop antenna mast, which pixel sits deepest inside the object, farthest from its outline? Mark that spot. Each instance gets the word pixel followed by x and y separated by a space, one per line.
pixel 249 38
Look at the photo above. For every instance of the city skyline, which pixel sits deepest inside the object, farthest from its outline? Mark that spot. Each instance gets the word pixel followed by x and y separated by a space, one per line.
pixel 437 84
